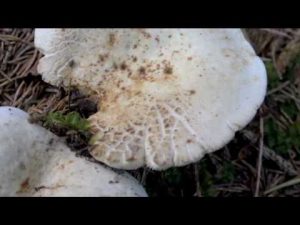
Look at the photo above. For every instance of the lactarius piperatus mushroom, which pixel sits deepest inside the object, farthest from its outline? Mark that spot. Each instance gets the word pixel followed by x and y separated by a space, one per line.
pixel 34 162
pixel 166 96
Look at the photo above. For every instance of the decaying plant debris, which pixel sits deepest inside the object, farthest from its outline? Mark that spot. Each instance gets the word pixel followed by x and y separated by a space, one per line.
pixel 274 134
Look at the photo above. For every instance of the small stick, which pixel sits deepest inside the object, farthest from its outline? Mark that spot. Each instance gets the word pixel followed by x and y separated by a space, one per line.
pixel 144 176
pixel 286 116
pixel 270 154
pixel 7 37
pixel 281 86
pixel 261 147
pixel 277 32
pixel 290 96
pixel 198 190
pixel 5 75
pixel 283 185
pixel 251 168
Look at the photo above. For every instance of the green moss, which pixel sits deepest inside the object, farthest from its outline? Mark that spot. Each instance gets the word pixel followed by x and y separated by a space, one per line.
pixel 290 74
pixel 292 69
pixel 227 172
pixel 72 121
pixel 206 181
pixel 273 78
pixel 278 139
pixel 173 176
pixel 290 108
pixel 282 140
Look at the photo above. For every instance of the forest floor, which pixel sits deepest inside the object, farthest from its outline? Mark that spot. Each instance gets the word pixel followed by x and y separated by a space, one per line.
pixel 262 160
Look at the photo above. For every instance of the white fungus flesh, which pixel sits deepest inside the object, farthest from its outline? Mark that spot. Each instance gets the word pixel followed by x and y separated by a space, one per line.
pixel 34 162
pixel 166 96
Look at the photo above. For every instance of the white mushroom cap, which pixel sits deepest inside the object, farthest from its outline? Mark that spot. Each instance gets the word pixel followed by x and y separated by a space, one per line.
pixel 34 162
pixel 167 96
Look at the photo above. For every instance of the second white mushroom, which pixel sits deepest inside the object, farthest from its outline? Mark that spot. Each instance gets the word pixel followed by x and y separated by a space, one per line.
pixel 35 162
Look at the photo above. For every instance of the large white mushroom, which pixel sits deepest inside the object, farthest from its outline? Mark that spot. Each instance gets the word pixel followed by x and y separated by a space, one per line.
pixel 34 162
pixel 166 96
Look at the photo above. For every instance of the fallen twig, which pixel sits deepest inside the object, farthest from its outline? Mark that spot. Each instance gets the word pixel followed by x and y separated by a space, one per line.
pixel 283 185
pixel 277 32
pixel 280 87
pixel 198 188
pixel 261 148
pixel 270 154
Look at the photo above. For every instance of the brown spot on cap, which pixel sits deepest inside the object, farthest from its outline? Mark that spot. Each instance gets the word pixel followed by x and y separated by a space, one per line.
pixel 39 188
pixel 102 58
pixel 132 158
pixel 145 34
pixel 123 66
pixel 72 63
pixel 24 186
pixel 192 92
pixel 25 183
pixel 168 70
pixel 112 39
pixel 62 166
pixel 130 130
pixel 142 70
pixel 51 141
